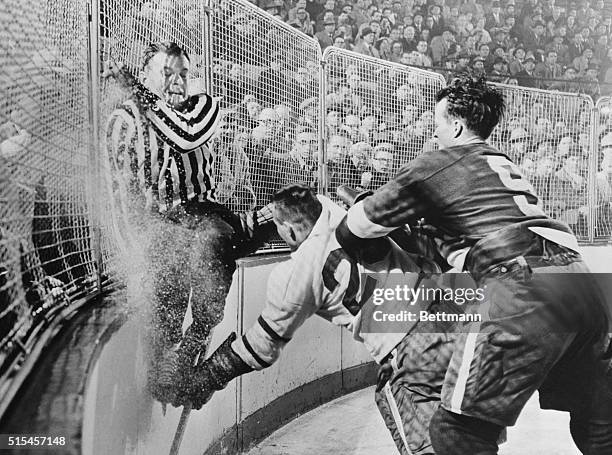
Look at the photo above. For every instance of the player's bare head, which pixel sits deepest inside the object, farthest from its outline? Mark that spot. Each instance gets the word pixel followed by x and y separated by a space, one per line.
pixel 465 109
pixel 165 68
pixel 295 211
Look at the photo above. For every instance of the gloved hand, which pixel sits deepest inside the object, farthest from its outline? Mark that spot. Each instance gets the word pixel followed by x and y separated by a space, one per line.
pixel 385 372
pixel 350 196
pixel 144 97
pixel 200 382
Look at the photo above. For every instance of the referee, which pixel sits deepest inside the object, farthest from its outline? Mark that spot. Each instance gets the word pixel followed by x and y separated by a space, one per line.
pixel 161 167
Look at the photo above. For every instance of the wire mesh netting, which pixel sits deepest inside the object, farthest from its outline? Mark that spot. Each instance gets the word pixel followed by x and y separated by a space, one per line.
pixel 602 206
pixel 379 116
pixel 548 135
pixel 267 74
pixel 127 28
pixel 45 223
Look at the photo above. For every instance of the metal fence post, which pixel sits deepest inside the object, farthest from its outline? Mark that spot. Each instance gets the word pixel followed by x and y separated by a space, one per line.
pixel 94 136
pixel 323 176
pixel 592 173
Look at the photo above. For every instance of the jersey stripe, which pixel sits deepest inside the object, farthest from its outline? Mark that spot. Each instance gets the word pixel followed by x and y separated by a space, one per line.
pixel 275 336
pixel 259 360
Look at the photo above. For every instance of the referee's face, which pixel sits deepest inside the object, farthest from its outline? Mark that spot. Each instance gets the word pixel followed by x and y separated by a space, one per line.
pixel 166 75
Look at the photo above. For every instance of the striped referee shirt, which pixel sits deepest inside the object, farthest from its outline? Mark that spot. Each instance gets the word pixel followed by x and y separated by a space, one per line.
pixel 163 153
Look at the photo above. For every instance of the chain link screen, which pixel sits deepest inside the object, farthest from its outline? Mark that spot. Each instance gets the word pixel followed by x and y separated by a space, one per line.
pixel 126 29
pixel 379 116
pixel 267 75
pixel 548 135
pixel 603 176
pixel 45 227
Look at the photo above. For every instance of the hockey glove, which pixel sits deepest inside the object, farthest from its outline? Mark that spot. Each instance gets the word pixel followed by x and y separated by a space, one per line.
pixel 350 196
pixel 385 372
pixel 211 375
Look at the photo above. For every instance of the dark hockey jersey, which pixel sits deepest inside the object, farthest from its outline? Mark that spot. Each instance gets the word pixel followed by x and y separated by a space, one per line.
pixel 466 192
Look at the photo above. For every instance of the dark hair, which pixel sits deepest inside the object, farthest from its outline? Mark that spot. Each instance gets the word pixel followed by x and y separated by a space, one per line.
pixel 472 100
pixel 168 47
pixel 297 204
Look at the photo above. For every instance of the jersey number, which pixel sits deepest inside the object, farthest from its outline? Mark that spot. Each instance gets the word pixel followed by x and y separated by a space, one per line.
pixel 512 179
pixel 349 300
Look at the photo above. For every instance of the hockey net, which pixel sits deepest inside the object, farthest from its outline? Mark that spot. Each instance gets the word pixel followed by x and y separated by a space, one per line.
pixel 45 223
pixel 379 115
pixel 549 136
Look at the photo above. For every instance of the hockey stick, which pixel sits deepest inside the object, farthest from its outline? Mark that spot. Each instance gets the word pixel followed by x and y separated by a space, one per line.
pixel 180 429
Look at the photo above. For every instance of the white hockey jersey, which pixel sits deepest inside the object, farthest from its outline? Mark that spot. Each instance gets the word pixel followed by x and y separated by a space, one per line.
pixel 320 278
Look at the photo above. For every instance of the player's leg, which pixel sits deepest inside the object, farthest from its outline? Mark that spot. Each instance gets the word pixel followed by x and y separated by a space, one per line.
pixel 529 321
pixel 582 383
pixel 409 401
pixel 458 434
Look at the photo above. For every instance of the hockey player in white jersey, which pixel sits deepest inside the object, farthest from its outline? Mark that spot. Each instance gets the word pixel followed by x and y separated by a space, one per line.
pixel 321 278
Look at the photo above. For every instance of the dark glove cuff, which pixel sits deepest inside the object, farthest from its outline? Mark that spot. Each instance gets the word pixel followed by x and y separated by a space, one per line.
pixel 361 196
pixel 225 365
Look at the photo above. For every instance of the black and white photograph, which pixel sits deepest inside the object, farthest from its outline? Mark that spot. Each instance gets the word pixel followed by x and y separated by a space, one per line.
pixel 306 227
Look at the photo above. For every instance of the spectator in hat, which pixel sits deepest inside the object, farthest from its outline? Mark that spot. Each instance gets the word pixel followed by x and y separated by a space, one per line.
pixel 329 10
pixel 365 45
pixel 478 66
pixel 495 19
pixel 463 62
pixel 326 36
pixel 499 73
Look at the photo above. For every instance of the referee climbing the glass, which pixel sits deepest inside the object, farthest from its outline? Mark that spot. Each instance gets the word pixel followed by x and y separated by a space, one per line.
pixel 161 172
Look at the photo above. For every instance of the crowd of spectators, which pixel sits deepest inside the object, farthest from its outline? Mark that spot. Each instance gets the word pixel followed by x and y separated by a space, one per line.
pixel 378 116
pixel 549 44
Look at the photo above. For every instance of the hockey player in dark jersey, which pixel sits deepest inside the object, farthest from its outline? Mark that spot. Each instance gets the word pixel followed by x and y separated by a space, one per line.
pixel 545 322
pixel 160 166
pixel 321 278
